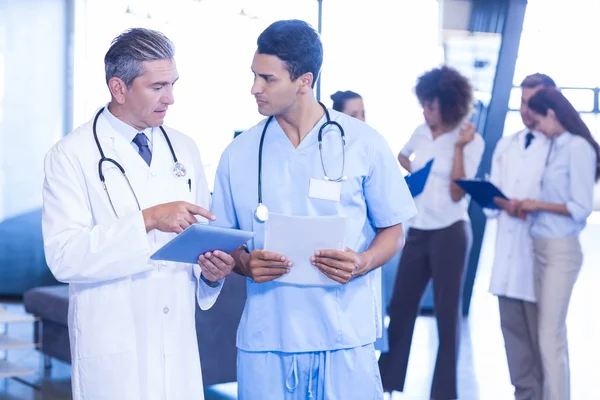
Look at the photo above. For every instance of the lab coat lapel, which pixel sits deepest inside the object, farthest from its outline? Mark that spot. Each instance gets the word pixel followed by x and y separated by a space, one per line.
pixel 116 147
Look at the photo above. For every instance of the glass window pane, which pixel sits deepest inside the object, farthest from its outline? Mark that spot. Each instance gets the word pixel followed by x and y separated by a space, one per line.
pixel 593 123
pixel 514 101
pixel 363 60
pixel 513 123
pixel 582 99
pixel 563 51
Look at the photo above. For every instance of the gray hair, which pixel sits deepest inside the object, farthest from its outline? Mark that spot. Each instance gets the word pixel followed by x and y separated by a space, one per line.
pixel 128 50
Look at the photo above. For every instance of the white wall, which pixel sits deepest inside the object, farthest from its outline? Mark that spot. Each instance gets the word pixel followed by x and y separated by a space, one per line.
pixel 377 48
pixel 32 97
pixel 456 14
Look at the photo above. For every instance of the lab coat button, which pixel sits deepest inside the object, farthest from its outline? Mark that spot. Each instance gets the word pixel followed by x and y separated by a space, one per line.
pixel 150 174
pixel 166 310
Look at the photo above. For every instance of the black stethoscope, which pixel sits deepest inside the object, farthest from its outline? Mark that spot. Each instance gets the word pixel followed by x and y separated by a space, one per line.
pixel 262 212
pixel 178 168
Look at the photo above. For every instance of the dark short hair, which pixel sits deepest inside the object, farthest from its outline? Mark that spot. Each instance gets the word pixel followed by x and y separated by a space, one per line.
pixel 451 89
pixel 128 50
pixel 536 80
pixel 340 98
pixel 297 44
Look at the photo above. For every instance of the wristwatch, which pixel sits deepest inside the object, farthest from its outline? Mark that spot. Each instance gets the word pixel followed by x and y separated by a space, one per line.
pixel 210 283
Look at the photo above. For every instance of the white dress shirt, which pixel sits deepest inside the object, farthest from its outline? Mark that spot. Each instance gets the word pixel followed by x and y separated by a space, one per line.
pixel 128 131
pixel 436 208
pixel 569 178
pixel 517 172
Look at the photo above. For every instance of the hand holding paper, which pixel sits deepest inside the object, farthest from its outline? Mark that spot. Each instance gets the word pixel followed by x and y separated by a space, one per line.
pixel 341 266
pixel 299 238
pixel 263 266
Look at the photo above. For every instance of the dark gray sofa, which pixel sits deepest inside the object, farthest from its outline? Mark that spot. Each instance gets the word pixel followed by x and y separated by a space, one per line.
pixel 216 328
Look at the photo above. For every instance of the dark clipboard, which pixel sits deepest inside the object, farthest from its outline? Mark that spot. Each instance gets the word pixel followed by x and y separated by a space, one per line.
pixel 417 180
pixel 483 192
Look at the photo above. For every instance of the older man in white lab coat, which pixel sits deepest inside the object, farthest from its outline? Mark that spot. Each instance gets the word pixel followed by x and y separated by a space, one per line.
pixel 517 167
pixel 131 320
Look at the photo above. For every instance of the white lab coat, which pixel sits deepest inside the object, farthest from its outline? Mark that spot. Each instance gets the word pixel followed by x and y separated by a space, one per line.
pixel 131 320
pixel 517 172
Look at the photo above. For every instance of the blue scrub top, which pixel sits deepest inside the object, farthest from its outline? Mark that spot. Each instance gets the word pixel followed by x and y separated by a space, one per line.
pixel 289 318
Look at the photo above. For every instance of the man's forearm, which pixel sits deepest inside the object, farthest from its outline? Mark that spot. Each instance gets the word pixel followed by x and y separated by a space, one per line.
pixel 387 242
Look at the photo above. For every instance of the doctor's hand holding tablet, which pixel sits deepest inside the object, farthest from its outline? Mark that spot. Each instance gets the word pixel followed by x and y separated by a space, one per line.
pixel 178 216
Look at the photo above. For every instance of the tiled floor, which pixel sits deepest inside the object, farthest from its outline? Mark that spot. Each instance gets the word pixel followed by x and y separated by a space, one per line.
pixel 483 374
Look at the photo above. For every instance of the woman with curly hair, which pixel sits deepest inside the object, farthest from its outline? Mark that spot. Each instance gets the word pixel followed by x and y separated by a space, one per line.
pixel 439 237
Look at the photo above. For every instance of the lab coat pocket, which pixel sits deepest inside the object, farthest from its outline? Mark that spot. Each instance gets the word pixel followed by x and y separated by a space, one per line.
pixel 104 321
pixel 108 377
pixel 184 189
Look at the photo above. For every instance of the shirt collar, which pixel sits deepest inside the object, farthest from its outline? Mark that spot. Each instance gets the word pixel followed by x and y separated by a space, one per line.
pixel 123 128
pixel 536 135
pixel 563 139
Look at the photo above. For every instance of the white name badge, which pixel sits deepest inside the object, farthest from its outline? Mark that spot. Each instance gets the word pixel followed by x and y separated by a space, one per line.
pixel 326 190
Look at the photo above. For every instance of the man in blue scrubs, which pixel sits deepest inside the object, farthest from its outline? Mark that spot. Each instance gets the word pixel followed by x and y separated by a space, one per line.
pixel 299 342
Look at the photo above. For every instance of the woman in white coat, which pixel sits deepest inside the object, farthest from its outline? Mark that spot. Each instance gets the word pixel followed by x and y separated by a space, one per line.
pixel 131 320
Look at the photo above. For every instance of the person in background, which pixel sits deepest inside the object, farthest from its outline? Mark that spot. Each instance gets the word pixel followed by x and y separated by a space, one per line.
pixel 558 217
pixel 439 237
pixel 517 167
pixel 349 103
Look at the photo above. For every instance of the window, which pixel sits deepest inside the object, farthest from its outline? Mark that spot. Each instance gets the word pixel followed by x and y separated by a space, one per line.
pixel 215 41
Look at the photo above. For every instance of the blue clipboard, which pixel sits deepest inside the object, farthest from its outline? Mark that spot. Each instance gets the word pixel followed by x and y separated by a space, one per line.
pixel 199 239
pixel 417 180
pixel 483 192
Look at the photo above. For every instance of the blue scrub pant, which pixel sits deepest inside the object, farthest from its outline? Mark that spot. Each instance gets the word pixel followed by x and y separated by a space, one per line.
pixel 326 375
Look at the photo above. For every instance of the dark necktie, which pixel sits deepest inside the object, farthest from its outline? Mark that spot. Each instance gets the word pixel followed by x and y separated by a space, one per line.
pixel 142 143
pixel 528 138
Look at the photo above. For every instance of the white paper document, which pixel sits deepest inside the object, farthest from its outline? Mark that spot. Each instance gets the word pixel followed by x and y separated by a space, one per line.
pixel 298 238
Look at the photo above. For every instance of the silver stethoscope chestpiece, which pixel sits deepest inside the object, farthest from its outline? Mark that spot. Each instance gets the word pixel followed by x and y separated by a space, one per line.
pixel 262 213
pixel 179 170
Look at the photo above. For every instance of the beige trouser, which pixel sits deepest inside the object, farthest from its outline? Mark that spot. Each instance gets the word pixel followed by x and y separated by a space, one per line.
pixel 557 265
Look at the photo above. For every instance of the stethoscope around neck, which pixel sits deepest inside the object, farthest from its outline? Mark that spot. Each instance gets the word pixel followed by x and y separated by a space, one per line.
pixel 178 168
pixel 262 212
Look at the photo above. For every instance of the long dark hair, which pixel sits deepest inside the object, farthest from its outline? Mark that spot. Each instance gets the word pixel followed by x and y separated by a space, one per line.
pixel 551 99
